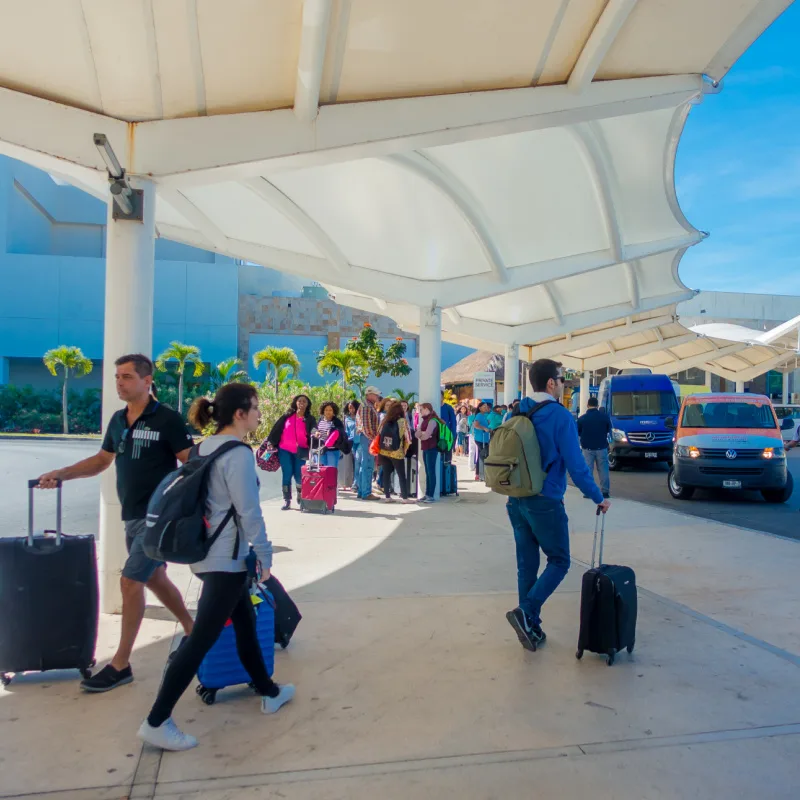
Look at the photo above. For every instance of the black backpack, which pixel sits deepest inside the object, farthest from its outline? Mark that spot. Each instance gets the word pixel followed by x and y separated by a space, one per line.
pixel 390 436
pixel 177 528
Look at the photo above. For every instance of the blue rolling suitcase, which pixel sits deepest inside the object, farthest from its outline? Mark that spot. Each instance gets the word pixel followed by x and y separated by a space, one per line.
pixel 221 667
pixel 449 484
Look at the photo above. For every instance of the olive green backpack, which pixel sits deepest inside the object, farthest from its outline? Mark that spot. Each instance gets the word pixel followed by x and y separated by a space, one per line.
pixel 514 465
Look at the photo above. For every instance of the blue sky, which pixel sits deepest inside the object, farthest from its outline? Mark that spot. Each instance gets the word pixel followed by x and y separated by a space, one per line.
pixel 738 171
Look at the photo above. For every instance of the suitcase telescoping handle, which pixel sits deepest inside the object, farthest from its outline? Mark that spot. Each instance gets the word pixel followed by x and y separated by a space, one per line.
pixel 32 484
pixel 601 527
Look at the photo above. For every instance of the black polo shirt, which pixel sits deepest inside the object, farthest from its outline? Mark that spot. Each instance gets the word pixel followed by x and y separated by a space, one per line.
pixel 144 453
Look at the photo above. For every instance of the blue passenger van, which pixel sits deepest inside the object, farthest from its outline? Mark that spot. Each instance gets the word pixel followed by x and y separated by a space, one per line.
pixel 643 410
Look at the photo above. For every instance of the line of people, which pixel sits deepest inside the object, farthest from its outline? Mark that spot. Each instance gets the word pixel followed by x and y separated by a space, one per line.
pixel 474 431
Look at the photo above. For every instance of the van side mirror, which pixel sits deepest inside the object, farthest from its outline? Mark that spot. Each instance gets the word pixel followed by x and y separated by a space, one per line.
pixel 787 424
pixel 669 423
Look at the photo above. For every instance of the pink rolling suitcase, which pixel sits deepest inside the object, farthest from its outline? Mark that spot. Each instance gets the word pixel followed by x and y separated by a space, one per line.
pixel 319 484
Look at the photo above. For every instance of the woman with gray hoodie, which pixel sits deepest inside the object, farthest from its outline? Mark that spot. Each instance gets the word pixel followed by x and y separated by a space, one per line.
pixel 232 484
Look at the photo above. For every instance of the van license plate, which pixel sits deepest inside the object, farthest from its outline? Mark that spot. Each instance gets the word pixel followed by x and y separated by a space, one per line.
pixel 651 455
pixel 731 484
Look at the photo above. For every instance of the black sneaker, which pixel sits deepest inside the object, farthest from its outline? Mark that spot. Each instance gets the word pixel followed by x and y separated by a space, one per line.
pixel 606 495
pixel 107 679
pixel 530 636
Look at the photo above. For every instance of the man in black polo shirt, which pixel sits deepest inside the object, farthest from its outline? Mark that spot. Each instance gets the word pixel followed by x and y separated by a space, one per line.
pixel 145 438
pixel 594 428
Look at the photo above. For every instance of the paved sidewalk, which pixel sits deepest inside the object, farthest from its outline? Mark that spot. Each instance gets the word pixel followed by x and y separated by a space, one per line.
pixel 412 685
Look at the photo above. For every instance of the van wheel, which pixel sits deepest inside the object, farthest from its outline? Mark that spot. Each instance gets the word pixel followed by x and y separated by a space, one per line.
pixel 614 463
pixel 780 495
pixel 676 490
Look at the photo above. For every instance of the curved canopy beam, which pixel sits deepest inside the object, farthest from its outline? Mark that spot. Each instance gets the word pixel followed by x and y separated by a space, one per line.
pixel 313 41
pixel 461 197
pixel 194 216
pixel 314 233
pixel 599 43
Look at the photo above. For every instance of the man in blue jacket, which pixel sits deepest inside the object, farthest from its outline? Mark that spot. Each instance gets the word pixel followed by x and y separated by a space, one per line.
pixel 540 522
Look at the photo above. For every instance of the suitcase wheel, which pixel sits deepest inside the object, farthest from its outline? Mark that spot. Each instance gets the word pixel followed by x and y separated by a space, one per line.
pixel 630 648
pixel 610 658
pixel 208 696
pixel 579 654
pixel 5 678
pixel 86 672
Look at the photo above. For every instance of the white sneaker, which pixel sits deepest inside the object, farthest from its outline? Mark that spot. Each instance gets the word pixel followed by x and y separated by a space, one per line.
pixel 269 705
pixel 167 736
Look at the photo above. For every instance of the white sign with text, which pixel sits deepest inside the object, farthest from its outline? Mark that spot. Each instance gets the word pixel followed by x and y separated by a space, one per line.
pixel 483 385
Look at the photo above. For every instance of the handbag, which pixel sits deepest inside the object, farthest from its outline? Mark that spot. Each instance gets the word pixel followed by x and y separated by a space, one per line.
pixel 375 446
pixel 267 457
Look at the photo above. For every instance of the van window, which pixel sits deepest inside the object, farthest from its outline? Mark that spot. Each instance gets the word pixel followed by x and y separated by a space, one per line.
pixel 643 404
pixel 782 412
pixel 728 415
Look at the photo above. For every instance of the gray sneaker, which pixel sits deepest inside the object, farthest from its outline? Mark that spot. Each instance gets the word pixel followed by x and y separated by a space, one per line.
pixel 530 636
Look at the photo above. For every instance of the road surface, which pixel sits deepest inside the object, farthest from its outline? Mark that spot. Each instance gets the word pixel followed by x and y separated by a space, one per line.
pixel 648 484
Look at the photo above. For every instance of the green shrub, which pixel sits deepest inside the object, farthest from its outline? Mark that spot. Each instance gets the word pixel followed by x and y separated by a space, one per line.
pixel 24 410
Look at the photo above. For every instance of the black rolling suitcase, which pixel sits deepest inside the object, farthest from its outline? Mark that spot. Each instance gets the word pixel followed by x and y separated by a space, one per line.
pixel 48 600
pixel 287 615
pixel 608 605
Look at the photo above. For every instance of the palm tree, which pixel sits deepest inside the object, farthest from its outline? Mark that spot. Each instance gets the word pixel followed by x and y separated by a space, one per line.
pixel 184 354
pixel 408 397
pixel 227 371
pixel 275 358
pixel 347 363
pixel 68 358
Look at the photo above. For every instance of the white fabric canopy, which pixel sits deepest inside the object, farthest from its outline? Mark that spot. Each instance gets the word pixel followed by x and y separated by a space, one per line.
pixel 510 162
pixel 658 341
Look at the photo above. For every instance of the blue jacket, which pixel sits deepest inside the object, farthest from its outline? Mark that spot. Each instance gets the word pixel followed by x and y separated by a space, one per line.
pixel 561 451
pixel 448 415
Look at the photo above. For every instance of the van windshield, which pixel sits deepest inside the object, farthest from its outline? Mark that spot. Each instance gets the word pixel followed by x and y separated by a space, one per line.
pixel 643 404
pixel 728 415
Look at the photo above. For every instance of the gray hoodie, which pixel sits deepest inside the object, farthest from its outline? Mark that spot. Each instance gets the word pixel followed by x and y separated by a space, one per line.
pixel 232 481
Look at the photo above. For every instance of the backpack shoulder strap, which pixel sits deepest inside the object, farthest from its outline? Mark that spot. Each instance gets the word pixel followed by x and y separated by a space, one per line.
pixel 226 447
pixel 538 406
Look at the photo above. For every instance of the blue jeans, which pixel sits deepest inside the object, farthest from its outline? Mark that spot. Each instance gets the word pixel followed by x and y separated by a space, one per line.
pixel 600 458
pixel 430 458
pixel 291 466
pixel 330 458
pixel 539 522
pixel 356 447
pixel 365 463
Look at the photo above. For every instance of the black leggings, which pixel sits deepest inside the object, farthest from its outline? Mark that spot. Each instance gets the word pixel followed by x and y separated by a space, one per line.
pixel 225 596
pixel 397 465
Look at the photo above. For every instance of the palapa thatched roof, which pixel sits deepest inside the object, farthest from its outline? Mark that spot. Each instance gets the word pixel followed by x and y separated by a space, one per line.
pixel 480 361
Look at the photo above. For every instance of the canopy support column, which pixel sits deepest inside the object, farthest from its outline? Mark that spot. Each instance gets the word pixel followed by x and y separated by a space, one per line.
pixel 785 387
pixel 130 268
pixel 586 381
pixel 511 374
pixel 739 387
pixel 708 380
pixel 430 372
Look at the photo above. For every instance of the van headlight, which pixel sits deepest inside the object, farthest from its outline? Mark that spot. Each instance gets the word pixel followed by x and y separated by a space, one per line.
pixel 618 435
pixel 687 451
pixel 773 452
